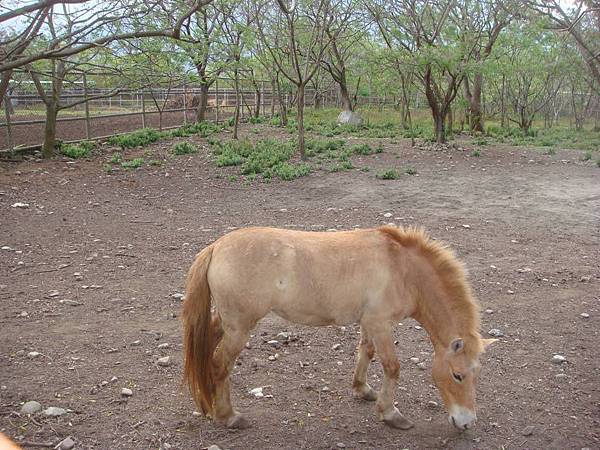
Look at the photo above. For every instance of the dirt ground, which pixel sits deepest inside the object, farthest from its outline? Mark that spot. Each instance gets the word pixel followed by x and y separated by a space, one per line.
pixel 526 224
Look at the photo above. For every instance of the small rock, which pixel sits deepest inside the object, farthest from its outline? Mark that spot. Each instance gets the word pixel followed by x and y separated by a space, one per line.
pixel 274 357
pixel 560 375
pixel 432 404
pixel 136 343
pixel 489 311
pixel 509 291
pixel 20 205
pixel 336 346
pixel 528 430
pixel 495 332
pixel 283 336
pixel 585 279
pixel 417 327
pixel 31 407
pixel 24 314
pixel 177 296
pixel 67 444
pixel 33 354
pixel 69 302
pixel 340 445
pixel 387 215
pixel 257 392
pixel 414 360
pixel 113 379
pixel 165 361
pixel 558 359
pixel 466 226
pixel 584 315
pixel 213 447
pixel 53 411
pixel 164 345
pixel 421 366
pixel 125 392
pixel 274 343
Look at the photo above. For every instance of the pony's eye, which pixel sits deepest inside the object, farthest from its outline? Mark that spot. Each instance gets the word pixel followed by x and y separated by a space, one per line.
pixel 458 377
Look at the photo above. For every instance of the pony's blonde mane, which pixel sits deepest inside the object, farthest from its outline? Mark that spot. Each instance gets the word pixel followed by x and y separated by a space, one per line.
pixel 452 274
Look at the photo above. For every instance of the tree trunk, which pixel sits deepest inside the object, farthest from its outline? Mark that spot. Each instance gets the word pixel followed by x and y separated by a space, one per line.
pixel 475 104
pixel 236 117
pixel 301 122
pixel 440 127
pixel 273 91
pixel 257 98
pixel 282 106
pixel 50 130
pixel 450 120
pixel 346 101
pixel 202 102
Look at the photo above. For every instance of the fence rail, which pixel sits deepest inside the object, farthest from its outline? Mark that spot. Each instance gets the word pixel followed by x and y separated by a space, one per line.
pixel 109 112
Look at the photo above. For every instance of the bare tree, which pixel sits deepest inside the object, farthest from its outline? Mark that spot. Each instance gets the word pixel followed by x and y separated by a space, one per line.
pixel 581 22
pixel 481 22
pixel 93 28
pixel 296 40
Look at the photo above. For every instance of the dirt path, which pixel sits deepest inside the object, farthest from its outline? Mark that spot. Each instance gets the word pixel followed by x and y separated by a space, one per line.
pixel 532 247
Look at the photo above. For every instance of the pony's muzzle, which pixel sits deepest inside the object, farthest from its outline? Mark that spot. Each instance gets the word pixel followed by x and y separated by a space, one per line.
pixel 462 418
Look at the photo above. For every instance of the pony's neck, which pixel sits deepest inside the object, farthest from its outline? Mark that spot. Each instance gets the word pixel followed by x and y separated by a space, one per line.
pixel 443 315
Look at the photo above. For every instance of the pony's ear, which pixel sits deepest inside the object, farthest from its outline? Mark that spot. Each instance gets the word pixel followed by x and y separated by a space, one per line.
pixel 457 345
pixel 487 342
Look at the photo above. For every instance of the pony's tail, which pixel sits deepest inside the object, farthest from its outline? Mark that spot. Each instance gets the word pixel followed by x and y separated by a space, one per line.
pixel 200 339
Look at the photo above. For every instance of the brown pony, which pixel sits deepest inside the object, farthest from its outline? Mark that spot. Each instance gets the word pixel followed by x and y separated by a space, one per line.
pixel 372 277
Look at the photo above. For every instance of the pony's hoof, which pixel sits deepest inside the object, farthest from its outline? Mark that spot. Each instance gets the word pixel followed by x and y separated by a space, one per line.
pixel 368 393
pixel 397 420
pixel 238 422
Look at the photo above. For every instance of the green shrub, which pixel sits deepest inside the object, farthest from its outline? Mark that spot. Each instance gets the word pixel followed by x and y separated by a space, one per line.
pixel 228 157
pixel 379 149
pixel 410 170
pixel 587 156
pixel 139 138
pixel 107 168
pixel 155 162
pixel 255 120
pixel 361 149
pixel 551 151
pixel 80 150
pixel 476 153
pixel 184 148
pixel 287 171
pixel 115 158
pixel 232 178
pixel 133 163
pixel 388 174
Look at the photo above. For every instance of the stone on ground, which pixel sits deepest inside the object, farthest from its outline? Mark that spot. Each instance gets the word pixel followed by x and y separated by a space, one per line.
pixel 349 118
pixel 31 407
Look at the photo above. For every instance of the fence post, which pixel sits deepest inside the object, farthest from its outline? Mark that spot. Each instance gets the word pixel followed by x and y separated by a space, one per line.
pixel 11 142
pixel 184 103
pixel 87 108
pixel 143 111
pixel 217 100
pixel 262 98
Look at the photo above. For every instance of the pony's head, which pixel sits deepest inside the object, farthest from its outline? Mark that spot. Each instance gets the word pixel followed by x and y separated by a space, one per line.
pixel 455 372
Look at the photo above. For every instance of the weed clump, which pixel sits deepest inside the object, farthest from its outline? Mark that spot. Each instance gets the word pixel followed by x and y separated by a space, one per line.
pixel 388 174
pixel 139 138
pixel 80 150
pixel 184 148
pixel 133 163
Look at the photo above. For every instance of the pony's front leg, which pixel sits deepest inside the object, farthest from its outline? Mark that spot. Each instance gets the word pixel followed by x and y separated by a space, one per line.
pixel 384 345
pixel 230 347
pixel 366 352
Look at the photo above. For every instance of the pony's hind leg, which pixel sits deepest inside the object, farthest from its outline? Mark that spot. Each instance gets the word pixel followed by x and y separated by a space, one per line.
pixel 366 352
pixel 384 345
pixel 231 345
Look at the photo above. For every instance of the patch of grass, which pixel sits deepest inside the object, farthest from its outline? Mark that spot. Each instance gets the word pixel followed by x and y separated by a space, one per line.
pixel 76 151
pixel 379 149
pixel 107 168
pixel 388 174
pixel 551 151
pixel 133 163
pixel 598 163
pixel 480 140
pixel 228 157
pixel 361 149
pixel 203 129
pixel 476 153
pixel 139 138
pixel 232 178
pixel 255 120
pixel 287 171
pixel 587 156
pixel 266 154
pixel 409 170
pixel 184 148
pixel 318 146
pixel 115 158
pixel 365 169
pixel 155 162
